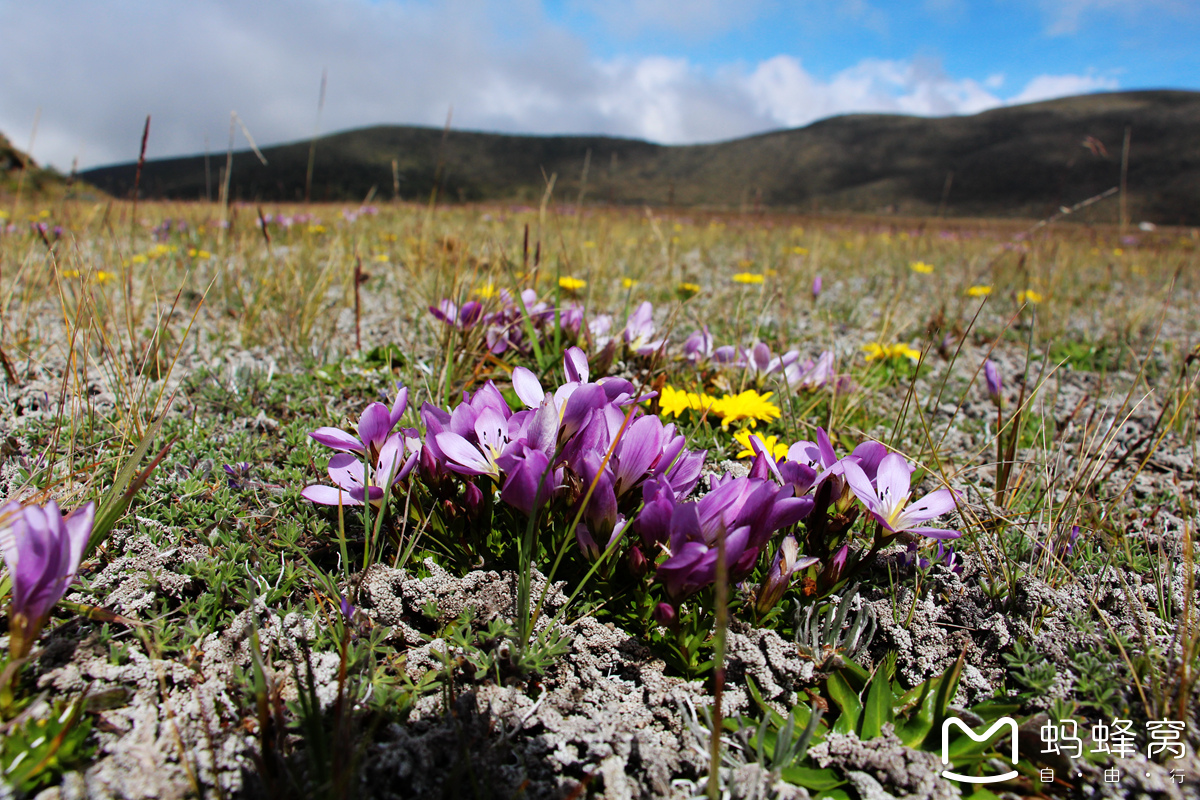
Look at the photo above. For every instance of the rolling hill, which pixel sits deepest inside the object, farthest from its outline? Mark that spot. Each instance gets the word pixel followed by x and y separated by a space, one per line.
pixel 1015 161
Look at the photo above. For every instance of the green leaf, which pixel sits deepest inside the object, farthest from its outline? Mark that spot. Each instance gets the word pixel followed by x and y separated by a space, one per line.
pixel 847 700
pixel 878 708
pixel 810 778
pixel 126 484
pixel 919 724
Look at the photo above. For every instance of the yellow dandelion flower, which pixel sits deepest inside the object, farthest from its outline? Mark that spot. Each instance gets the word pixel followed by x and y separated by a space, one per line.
pixel 874 351
pixel 686 290
pixel 748 278
pixel 772 444
pixel 192 252
pixel 628 283
pixel 70 273
pixel 749 405
pixel 571 284
pixel 675 401
pixel 381 258
pixel 1029 296
pixel 487 291
pixel 979 290
pixel 921 268
pixel 104 277
pixel 315 229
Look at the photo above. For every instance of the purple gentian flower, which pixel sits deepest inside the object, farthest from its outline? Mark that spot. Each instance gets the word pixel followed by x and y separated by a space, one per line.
pixel 698 348
pixel 787 561
pixel 639 329
pixel 992 376
pixel 375 425
pixel 238 474
pixel 42 550
pixel 887 499
pixel 811 374
pixel 462 318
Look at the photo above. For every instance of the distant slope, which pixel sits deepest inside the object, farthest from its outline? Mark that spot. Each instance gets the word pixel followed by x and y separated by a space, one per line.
pixel 1016 161
pixel 17 168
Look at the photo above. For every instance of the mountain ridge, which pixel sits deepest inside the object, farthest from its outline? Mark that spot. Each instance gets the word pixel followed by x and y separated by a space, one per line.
pixel 1011 161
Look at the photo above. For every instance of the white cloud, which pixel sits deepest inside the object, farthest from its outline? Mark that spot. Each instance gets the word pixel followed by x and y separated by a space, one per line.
pixel 1048 87
pixel 695 19
pixel 1067 16
pixel 502 66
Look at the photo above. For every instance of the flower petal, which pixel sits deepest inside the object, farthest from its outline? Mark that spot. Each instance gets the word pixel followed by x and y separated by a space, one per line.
pixel 338 440
pixel 528 387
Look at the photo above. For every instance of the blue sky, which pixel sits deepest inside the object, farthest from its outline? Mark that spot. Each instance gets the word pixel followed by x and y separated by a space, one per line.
pixel 88 73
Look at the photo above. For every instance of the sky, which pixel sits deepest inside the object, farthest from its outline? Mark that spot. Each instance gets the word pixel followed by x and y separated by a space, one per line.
pixel 79 76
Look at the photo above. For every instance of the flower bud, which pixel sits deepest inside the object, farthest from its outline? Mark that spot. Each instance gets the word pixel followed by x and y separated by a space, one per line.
pixel 664 614
pixel 786 562
pixel 992 375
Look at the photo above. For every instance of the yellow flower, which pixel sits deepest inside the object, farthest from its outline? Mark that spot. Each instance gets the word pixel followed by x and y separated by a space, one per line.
pixel 677 227
pixel 686 290
pixel 571 284
pixel 772 444
pixel 589 244
pixel 381 258
pixel 138 259
pixel 1029 296
pixel 389 237
pixel 3 215
pixel 886 352
pixel 800 251
pixel 315 229
pixel 921 268
pixel 979 291
pixel 104 277
pixel 1117 251
pixel 749 405
pixel 628 283
pixel 675 402
pixel 43 213
pixel 70 273
pixel 487 291
pixel 747 277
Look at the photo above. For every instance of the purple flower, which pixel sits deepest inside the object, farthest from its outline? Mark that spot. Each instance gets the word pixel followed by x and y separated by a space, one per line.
pixel 238 473
pixel 639 330
pixel 375 425
pixel 462 318
pixel 348 610
pixel 810 374
pixel 992 376
pixel 42 550
pixel 743 511
pixel 887 499
pixel 698 348
pixel 816 288
pixel 787 561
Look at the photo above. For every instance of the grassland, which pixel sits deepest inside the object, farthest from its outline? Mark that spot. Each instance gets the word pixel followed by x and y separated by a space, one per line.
pixel 231 638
